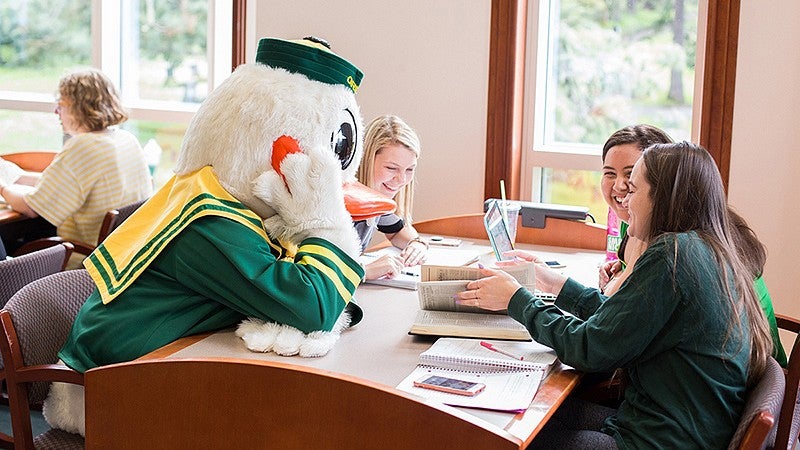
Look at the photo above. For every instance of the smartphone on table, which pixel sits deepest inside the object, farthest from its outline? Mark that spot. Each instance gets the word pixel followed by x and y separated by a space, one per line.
pixel 449 385
pixel 554 264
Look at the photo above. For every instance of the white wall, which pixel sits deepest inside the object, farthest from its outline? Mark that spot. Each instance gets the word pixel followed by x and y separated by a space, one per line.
pixel 765 157
pixel 427 62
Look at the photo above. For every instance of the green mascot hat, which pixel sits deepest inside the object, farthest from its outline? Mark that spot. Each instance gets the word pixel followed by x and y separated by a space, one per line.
pixel 311 57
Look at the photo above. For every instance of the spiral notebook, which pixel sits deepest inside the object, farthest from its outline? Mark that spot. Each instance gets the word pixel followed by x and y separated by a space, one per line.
pixel 510 383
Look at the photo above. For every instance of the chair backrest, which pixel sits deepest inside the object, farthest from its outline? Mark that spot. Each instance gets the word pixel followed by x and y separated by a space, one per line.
pixel 33 161
pixel 789 421
pixel 758 423
pixel 557 232
pixel 35 324
pixel 111 221
pixel 21 270
pixel 115 217
pixel 267 404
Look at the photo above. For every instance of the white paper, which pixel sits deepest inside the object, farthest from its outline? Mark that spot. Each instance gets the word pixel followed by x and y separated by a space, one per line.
pixel 9 172
pixel 505 391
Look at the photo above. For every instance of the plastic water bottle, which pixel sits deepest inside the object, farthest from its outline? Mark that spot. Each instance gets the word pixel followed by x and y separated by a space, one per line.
pixel 612 236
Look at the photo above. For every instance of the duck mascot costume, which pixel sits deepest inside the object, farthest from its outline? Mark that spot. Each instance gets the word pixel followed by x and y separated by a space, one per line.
pixel 255 228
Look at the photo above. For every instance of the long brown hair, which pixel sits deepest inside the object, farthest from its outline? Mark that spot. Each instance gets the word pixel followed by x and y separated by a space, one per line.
pixel 687 195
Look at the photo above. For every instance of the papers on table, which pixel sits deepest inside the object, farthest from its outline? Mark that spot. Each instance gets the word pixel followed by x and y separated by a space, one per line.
pixel 410 276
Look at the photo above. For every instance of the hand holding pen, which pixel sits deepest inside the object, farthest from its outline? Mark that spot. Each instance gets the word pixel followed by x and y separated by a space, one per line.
pixel 385 266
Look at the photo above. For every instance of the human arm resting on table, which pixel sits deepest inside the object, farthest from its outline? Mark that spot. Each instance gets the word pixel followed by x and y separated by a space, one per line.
pixel 414 250
pixel 14 194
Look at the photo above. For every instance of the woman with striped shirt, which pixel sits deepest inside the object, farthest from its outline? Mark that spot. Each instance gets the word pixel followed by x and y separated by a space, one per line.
pixel 100 167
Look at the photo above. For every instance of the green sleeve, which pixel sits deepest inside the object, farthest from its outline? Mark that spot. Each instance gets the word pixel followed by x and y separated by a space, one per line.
pixel 766 304
pixel 240 271
pixel 605 334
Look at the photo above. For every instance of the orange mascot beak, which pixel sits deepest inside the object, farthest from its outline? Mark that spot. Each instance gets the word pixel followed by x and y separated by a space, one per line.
pixel 361 202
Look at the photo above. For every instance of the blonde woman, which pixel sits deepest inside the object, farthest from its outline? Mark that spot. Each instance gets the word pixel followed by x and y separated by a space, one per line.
pixel 391 151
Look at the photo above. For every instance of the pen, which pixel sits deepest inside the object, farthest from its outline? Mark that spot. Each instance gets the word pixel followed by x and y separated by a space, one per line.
pixel 503 352
pixel 408 272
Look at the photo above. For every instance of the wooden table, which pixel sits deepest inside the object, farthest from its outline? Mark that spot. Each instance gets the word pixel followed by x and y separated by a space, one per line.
pixel 8 215
pixel 379 348
pixel 16 228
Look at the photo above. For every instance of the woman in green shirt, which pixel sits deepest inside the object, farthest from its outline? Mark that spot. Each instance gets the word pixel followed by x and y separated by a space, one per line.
pixel 620 152
pixel 686 324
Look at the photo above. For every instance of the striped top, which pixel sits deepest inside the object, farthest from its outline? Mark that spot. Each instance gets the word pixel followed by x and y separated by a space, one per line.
pixel 94 173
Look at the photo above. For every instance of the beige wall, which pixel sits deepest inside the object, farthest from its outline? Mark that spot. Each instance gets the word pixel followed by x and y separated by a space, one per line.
pixel 765 156
pixel 427 62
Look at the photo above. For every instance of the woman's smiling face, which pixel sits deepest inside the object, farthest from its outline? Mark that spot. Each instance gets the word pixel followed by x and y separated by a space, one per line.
pixel 617 168
pixel 393 169
pixel 638 203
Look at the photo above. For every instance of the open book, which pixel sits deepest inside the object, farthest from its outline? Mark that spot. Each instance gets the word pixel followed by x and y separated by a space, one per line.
pixel 510 383
pixel 440 315
pixel 9 172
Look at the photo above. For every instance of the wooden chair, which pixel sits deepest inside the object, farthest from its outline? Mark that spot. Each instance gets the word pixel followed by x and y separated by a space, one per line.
pixel 32 161
pixel 557 232
pixel 239 403
pixel 35 324
pixel 757 426
pixel 111 221
pixel 789 421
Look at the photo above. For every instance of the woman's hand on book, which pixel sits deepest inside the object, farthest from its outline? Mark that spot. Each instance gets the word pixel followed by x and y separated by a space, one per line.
pixel 493 292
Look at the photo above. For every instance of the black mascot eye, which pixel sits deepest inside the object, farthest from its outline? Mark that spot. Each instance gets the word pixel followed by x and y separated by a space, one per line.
pixel 343 140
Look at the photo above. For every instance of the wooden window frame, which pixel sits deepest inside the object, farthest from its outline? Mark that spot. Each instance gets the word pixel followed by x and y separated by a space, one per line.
pixel 504 120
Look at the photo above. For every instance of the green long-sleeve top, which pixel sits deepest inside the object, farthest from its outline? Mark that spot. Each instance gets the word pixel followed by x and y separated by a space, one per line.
pixel 211 276
pixel 670 326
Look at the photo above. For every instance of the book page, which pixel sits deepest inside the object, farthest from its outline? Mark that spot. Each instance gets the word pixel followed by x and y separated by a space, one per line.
pixel 525 274
pixel 440 296
pixel 449 323
pixel 440 284
pixel 9 172
pixel 505 391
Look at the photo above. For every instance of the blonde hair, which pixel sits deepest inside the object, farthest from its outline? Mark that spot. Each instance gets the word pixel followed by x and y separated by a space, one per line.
pixel 92 99
pixel 382 131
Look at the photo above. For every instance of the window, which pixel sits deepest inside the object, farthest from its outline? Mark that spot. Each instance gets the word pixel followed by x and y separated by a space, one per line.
pixel 595 67
pixel 162 55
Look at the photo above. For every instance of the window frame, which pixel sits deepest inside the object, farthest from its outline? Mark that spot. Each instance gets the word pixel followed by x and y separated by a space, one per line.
pixel 222 37
pixel 507 138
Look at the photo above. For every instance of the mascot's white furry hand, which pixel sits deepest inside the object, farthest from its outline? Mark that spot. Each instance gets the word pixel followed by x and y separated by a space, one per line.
pixel 260 336
pixel 310 203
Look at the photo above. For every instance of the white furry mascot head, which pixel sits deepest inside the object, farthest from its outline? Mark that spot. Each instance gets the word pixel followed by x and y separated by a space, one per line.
pixel 297 102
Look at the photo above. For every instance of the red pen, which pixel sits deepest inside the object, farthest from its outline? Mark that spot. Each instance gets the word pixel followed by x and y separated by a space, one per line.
pixel 502 352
